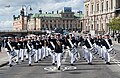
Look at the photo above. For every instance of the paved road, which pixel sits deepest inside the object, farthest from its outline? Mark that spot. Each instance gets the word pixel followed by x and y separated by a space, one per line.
pixel 44 69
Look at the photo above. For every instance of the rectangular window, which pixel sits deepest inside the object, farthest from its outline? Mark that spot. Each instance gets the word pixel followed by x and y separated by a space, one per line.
pixel 97 7
pixel 102 6
pixel 106 5
pixel 91 27
pixel 97 27
pixel 87 13
pixel 92 8
pixel 111 4
pixel 117 4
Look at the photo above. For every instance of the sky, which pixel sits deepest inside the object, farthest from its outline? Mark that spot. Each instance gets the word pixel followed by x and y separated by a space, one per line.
pixel 6 13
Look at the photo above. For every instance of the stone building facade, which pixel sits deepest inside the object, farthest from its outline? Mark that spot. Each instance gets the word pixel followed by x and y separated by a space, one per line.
pixel 49 21
pixel 98 13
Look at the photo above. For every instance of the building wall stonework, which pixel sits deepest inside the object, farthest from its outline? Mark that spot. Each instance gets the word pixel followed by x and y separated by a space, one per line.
pixel 98 13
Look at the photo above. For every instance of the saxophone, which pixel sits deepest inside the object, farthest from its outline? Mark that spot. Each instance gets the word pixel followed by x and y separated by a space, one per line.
pixel 45 43
pixel 58 42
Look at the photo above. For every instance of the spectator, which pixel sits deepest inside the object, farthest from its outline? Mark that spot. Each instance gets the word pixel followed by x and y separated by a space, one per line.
pixel 115 37
pixel 119 38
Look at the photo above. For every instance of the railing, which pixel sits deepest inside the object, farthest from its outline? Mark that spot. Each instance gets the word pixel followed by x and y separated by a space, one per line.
pixel 10 31
pixel 21 31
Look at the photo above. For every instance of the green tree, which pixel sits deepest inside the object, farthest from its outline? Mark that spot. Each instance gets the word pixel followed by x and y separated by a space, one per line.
pixel 114 24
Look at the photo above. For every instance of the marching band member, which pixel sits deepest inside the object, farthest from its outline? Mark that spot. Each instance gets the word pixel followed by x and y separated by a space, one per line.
pixel 40 48
pixel 49 45
pixel 47 49
pixel 42 41
pixel 9 48
pixel 35 44
pixel 4 41
pixel 52 49
pixel 25 48
pixel 29 50
pixel 95 50
pixel 58 50
pixel 22 49
pixel 107 44
pixel 17 48
pixel 99 45
pixel 83 47
pixel 70 46
pixel 44 48
pixel 88 46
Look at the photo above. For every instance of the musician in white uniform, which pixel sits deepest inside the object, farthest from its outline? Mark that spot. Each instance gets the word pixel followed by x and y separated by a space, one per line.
pixel 88 46
pixel 25 48
pixel 52 49
pixel 70 47
pixel 44 47
pixel 99 45
pixel 106 45
pixel 40 49
pixel 9 48
pixel 29 50
pixel 17 48
pixel 35 44
pixel 22 49
pixel 58 50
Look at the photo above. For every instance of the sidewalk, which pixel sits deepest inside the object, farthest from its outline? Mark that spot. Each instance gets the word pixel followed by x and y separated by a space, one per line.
pixel 3 58
pixel 115 42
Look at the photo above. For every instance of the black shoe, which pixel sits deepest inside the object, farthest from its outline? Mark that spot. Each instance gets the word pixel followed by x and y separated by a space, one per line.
pixel 26 58
pixel 22 60
pixel 53 64
pixel 44 58
pixel 72 64
pixel 108 63
pixel 17 62
pixel 74 61
pixel 11 65
pixel 59 68
pixel 100 57
pixel 90 63
pixel 29 64
pixel 36 62
pixel 40 60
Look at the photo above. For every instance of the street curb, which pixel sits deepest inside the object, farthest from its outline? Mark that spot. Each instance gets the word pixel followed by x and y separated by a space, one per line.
pixel 4 64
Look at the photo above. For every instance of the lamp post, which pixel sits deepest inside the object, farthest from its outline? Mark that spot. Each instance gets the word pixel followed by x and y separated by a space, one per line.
pixel 24 12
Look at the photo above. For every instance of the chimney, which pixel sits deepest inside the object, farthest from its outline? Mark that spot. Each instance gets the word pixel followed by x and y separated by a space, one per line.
pixel 52 12
pixel 40 11
pixel 80 12
pixel 14 17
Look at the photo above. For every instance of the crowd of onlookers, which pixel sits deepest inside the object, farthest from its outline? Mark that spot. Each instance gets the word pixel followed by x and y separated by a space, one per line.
pixel 117 37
